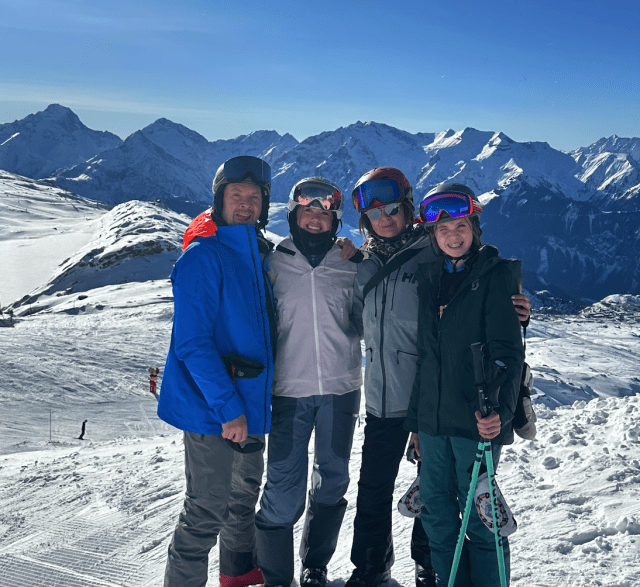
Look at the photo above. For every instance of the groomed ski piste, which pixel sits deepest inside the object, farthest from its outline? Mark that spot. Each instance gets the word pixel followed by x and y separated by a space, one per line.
pixel 100 512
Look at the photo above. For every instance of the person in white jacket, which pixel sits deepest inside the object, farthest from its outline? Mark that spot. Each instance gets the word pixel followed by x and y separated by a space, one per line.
pixel 316 386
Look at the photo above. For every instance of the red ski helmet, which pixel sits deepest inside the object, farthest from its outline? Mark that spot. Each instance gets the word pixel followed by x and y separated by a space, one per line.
pixel 381 185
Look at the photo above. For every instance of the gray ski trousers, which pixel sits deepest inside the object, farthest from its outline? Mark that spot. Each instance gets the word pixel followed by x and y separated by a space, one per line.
pixel 222 491
pixel 293 420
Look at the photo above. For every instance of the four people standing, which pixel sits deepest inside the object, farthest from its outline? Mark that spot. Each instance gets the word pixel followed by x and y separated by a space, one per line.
pixel 224 316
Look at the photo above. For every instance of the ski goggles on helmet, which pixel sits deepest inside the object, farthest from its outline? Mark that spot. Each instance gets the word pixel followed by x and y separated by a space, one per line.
pixel 384 191
pixel 322 195
pixel 237 169
pixel 376 213
pixel 452 204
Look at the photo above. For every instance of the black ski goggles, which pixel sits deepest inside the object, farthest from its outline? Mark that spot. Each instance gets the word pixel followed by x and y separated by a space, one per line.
pixel 239 168
pixel 384 191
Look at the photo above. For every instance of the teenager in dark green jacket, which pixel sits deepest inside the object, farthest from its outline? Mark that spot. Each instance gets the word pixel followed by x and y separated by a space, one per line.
pixel 464 297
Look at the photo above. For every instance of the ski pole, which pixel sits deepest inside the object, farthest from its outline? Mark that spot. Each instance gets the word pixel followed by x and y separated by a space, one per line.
pixel 486 407
pixel 494 511
pixel 467 512
pixel 484 446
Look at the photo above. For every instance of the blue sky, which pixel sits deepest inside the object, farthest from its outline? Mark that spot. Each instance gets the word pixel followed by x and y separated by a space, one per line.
pixel 566 71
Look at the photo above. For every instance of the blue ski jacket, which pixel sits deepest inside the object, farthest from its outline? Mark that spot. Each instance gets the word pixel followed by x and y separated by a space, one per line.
pixel 220 309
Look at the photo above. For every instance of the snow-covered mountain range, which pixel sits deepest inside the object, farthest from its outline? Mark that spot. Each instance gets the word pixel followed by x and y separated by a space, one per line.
pixel 571 217
pixel 93 310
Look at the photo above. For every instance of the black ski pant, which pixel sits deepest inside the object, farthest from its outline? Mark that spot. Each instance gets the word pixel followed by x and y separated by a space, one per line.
pixel 385 440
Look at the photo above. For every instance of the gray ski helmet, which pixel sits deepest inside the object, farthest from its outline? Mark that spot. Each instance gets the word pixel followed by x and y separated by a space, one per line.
pixel 243 169
pixel 319 192
pixel 316 192
pixel 433 208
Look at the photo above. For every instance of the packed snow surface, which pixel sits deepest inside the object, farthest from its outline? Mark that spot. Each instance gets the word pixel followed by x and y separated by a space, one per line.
pixel 100 511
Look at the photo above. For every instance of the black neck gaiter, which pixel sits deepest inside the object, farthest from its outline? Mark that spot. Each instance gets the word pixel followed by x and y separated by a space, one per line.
pixel 314 246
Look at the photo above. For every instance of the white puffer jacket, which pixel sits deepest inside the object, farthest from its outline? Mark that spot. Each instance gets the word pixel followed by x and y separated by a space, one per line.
pixel 319 324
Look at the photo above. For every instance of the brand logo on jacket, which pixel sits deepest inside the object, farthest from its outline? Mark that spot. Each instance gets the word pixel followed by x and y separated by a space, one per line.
pixel 410 277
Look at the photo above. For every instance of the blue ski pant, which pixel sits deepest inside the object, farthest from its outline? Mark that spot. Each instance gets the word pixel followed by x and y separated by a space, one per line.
pixel 445 479
pixel 222 491
pixel 333 418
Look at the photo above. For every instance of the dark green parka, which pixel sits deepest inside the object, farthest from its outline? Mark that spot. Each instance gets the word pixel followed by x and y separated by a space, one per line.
pixel 443 399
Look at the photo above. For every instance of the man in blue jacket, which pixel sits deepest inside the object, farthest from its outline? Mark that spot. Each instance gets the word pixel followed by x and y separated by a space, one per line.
pixel 217 378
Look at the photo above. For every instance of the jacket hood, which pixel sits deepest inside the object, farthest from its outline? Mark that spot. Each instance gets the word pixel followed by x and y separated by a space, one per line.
pixel 201 226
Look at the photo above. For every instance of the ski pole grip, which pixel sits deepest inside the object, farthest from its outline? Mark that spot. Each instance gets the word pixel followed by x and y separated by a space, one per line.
pixel 478 375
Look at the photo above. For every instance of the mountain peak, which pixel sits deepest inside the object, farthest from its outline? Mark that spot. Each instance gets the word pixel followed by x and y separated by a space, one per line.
pixel 58 110
pixel 49 140
pixel 60 115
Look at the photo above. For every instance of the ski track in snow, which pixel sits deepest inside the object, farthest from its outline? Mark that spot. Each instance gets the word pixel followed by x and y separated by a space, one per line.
pixel 101 512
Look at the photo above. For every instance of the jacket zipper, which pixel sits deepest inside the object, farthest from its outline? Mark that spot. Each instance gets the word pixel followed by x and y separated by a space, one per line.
pixel 384 375
pixel 315 328
pixel 266 339
pixel 455 295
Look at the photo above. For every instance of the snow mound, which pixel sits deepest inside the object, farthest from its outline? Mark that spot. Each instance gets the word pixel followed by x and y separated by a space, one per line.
pixel 134 242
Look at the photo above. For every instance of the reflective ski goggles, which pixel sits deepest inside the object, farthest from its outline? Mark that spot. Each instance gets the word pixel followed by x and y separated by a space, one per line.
pixel 384 191
pixel 324 195
pixel 238 168
pixel 376 213
pixel 453 204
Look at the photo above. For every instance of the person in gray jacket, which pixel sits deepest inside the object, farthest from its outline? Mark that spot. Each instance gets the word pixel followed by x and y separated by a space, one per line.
pixel 316 386
pixel 386 286
pixel 395 246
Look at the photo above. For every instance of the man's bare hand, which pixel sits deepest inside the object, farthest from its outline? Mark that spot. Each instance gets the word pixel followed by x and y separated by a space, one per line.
pixel 236 430
pixel 490 426
pixel 415 440
pixel 348 248
pixel 523 306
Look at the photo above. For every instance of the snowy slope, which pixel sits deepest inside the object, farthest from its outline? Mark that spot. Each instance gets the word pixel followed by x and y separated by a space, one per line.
pixel 100 512
pixel 53 139
pixel 135 241
pixel 40 225
pixel 609 173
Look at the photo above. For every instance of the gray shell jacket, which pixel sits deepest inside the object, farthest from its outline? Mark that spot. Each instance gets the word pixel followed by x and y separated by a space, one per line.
pixel 319 323
pixel 390 320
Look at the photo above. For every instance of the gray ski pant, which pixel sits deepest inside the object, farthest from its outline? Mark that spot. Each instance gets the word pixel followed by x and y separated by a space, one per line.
pixel 283 500
pixel 222 491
